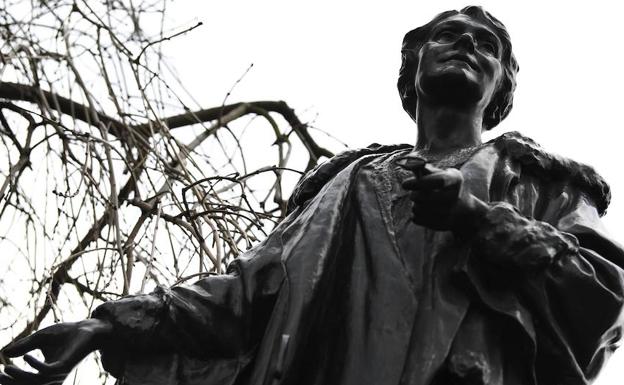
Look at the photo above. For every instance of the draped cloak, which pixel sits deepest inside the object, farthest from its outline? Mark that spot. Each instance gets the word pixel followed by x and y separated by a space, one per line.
pixel 348 290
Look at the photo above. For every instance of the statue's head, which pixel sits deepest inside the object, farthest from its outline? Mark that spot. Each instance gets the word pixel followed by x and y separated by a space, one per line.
pixel 460 57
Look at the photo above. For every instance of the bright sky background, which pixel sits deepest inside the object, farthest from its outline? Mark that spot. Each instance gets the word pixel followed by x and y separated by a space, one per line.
pixel 337 63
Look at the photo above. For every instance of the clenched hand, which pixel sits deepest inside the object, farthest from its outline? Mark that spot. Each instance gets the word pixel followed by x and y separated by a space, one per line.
pixel 440 201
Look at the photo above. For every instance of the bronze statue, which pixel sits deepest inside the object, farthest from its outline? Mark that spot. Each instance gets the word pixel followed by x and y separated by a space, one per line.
pixel 451 262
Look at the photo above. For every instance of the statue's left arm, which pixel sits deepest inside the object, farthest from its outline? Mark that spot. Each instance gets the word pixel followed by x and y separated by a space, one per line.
pixel 563 268
pixel 539 254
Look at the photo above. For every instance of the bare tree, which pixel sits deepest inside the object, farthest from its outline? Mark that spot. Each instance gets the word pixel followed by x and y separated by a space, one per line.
pixel 112 180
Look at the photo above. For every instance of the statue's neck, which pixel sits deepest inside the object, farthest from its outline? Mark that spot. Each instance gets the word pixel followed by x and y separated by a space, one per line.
pixel 443 129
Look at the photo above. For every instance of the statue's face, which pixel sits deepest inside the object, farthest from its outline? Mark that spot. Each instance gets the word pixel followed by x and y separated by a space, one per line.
pixel 460 64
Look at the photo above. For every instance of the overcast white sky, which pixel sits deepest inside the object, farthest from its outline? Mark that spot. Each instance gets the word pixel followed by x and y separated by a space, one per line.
pixel 338 61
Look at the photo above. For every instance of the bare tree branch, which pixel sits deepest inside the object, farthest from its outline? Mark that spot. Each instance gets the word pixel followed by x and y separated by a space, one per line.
pixel 13 91
pixel 87 101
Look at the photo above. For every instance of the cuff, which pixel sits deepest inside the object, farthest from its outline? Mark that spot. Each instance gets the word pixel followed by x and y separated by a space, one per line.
pixel 506 238
pixel 135 319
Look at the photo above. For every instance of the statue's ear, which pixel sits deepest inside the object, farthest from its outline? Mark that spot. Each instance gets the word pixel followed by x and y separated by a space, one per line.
pixel 499 106
pixel 492 116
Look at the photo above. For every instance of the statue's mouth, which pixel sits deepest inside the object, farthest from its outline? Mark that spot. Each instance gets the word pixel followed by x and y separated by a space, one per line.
pixel 464 59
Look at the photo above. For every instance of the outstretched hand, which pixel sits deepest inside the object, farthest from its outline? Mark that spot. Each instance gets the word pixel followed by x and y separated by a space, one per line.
pixel 440 200
pixel 63 346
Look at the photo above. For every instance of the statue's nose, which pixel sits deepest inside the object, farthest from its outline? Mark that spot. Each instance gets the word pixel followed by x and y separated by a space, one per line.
pixel 466 42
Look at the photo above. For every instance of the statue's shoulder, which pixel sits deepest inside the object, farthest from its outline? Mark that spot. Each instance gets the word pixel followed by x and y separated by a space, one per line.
pixel 536 160
pixel 312 182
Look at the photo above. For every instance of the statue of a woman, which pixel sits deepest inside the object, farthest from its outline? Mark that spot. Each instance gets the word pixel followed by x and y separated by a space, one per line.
pixel 449 262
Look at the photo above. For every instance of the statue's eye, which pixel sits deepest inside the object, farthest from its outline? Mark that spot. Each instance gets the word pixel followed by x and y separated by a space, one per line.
pixel 488 47
pixel 445 36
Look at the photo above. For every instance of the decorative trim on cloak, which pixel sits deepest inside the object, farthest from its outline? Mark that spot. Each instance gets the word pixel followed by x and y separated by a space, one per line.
pixel 513 144
pixel 534 159
pixel 312 182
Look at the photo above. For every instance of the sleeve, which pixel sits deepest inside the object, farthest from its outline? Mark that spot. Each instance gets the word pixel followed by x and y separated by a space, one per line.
pixel 219 318
pixel 565 281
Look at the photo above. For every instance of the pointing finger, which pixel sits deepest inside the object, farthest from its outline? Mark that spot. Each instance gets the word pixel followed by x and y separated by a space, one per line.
pixel 7 380
pixel 437 180
pixel 42 367
pixel 429 182
pixel 21 375
pixel 412 162
pixel 24 345
pixel 431 169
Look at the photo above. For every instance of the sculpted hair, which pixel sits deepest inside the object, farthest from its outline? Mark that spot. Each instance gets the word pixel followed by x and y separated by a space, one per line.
pixel 502 100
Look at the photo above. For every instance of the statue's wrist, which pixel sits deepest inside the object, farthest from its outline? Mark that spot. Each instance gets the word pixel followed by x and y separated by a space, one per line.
pixel 508 239
pixel 470 214
pixel 101 330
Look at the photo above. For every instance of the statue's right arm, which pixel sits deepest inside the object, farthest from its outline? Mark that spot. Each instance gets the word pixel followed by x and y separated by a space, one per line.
pixel 220 316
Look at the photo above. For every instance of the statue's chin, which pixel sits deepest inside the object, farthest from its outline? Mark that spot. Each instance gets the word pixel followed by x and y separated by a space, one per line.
pixel 452 85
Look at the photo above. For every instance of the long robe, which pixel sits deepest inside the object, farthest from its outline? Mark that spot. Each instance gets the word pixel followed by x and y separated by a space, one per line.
pixel 348 290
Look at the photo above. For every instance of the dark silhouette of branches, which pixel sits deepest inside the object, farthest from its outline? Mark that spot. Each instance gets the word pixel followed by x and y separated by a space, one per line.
pixel 13 91
pixel 111 183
